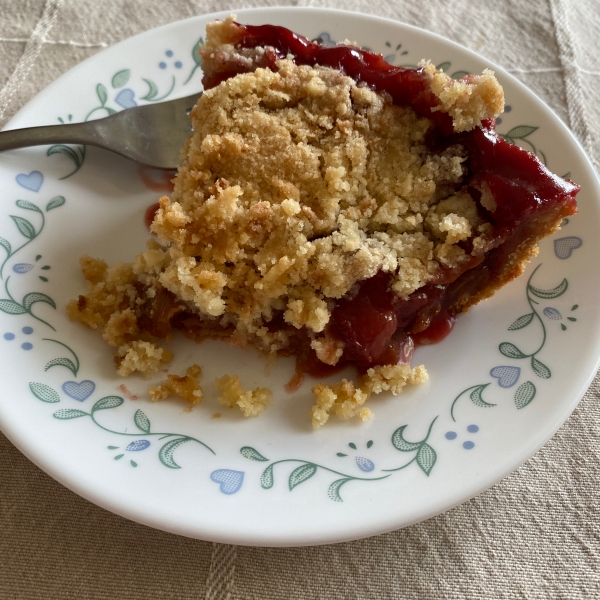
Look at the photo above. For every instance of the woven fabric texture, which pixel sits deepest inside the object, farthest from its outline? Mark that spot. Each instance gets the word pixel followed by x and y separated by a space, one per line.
pixel 534 535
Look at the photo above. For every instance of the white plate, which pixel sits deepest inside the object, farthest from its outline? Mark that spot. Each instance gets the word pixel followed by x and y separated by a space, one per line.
pixel 272 480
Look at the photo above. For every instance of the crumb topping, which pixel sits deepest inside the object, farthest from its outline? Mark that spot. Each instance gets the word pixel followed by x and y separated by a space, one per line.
pixel 346 400
pixel 342 399
pixel 296 185
pixel 251 403
pixel 186 387
pixel 468 100
pixel 393 378
pixel 108 290
pixel 144 357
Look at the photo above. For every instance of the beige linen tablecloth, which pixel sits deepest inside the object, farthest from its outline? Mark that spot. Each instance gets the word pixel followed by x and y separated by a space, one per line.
pixel 534 535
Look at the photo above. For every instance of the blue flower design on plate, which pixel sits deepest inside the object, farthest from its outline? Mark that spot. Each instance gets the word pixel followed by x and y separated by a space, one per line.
pixel 552 313
pixel 364 464
pixel 138 446
pixel 467 445
pixel 22 268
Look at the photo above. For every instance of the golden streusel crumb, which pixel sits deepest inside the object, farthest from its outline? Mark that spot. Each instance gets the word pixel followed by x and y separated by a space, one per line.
pixel 251 403
pixel 145 357
pixel 109 291
pixel 296 185
pixel 121 328
pixel 186 387
pixel 365 414
pixel 219 33
pixel 343 399
pixel 392 378
pixel 468 100
pixel 94 270
pixel 346 400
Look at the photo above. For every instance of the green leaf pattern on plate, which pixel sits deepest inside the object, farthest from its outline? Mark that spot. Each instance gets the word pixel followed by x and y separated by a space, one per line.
pixel 26 229
pixel 11 307
pixel 252 454
pixel 120 78
pixel 521 322
pixel 142 421
pixel 166 452
pixel 400 443
pixel 334 489
pixel 70 413
pixel 532 292
pixel 55 202
pixel 525 394
pixel 44 392
pixel 301 474
pixel 426 458
pixel 107 402
pixel 77 154
pixel 26 205
pixel 102 93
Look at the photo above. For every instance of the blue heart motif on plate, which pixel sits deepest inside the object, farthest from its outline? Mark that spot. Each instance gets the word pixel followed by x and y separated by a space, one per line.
pixel 563 248
pixel 506 376
pixel 79 391
pixel 125 98
pixel 230 481
pixel 32 182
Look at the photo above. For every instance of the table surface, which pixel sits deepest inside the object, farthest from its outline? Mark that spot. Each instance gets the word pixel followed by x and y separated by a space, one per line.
pixel 536 534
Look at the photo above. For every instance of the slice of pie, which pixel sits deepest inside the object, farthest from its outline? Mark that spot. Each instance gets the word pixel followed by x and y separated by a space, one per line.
pixel 329 206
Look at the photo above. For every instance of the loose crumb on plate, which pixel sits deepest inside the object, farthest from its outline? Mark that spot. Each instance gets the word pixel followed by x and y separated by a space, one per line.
pixel 251 403
pixel 392 378
pixel 145 357
pixel 346 400
pixel 343 399
pixel 186 387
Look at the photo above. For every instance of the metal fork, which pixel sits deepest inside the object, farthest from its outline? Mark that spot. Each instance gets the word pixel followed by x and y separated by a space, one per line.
pixel 152 134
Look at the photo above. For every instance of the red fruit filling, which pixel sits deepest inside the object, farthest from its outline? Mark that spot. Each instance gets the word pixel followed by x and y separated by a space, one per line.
pixel 376 326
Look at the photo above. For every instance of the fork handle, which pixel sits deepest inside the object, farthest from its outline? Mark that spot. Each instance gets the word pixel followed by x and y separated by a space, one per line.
pixel 70 133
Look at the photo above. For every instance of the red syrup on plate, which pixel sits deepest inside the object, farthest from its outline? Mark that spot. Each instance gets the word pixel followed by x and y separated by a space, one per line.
pixel 376 326
pixel 150 213
pixel 157 180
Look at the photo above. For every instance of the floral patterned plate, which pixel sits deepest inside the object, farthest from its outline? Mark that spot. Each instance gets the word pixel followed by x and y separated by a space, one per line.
pixel 509 375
